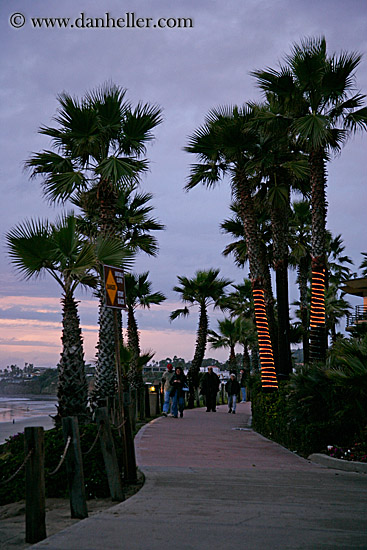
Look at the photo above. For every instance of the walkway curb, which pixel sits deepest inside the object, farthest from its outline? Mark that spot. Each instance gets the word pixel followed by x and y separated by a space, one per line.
pixel 338 464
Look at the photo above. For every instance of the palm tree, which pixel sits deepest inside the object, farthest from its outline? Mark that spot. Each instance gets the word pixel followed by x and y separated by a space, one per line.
pixel 138 294
pixel 300 258
pixel 363 265
pixel 227 337
pixel 316 92
pixel 239 305
pixel 98 147
pixel 39 247
pixel 204 289
pixel 132 223
pixel 227 142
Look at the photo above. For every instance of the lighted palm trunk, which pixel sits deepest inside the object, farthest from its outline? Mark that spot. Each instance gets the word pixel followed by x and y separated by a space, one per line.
pixel 268 374
pixel 318 342
pixel 256 261
pixel 317 319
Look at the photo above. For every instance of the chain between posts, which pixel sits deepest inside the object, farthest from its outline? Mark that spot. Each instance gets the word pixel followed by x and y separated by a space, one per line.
pixel 18 470
pixel 62 458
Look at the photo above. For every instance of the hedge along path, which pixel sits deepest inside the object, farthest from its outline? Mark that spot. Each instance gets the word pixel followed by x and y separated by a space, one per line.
pixel 18 470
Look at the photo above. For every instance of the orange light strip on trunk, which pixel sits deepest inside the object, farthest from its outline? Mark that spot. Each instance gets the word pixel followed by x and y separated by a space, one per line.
pixel 317 317
pixel 268 374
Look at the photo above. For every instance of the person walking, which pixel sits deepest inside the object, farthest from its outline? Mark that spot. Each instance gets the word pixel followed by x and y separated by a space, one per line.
pixel 232 389
pixel 179 381
pixel 243 381
pixel 209 388
pixel 166 388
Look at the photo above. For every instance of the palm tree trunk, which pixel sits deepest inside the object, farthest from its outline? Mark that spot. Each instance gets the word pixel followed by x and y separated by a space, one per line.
pixel 193 374
pixel 134 375
pixel 105 384
pixel 72 389
pixel 318 206
pixel 257 273
pixel 303 271
pixel 269 304
pixel 279 221
pixel 232 360
pixel 106 378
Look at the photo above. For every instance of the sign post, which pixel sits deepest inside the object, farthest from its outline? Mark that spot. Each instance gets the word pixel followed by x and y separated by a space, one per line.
pixel 114 285
pixel 115 297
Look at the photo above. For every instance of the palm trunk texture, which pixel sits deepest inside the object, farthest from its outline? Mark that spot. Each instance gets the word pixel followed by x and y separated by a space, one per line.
pixel 134 375
pixel 257 273
pixel 193 374
pixel 279 220
pixel 318 342
pixel 72 389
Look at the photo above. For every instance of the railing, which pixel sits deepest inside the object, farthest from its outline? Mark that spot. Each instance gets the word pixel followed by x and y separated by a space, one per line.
pixel 359 316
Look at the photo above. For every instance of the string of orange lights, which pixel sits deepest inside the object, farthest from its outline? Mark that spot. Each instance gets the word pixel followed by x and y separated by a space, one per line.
pixel 268 374
pixel 317 317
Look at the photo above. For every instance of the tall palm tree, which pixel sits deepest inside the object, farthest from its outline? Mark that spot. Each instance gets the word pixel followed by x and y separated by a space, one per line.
pixel 205 289
pixel 138 294
pixel 132 222
pixel 99 146
pixel 318 96
pixel 227 142
pixel 239 305
pixel 227 337
pixel 37 247
pixel 300 259
pixel 234 226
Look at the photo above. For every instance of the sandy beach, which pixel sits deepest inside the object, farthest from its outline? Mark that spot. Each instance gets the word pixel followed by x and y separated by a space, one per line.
pixel 7 429
pixel 16 413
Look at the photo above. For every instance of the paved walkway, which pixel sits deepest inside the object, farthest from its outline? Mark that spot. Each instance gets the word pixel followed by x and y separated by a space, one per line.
pixel 212 483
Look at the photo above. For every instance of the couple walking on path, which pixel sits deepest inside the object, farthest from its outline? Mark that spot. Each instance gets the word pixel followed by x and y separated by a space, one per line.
pixel 210 386
pixel 174 386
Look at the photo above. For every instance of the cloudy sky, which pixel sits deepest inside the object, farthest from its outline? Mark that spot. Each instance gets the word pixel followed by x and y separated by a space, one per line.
pixel 186 71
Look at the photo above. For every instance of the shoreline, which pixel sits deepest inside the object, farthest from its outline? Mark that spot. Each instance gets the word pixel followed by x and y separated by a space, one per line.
pixel 8 429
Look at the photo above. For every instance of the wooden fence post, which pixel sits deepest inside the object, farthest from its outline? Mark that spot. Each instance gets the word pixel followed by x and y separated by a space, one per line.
pixel 109 455
pixel 35 508
pixel 74 467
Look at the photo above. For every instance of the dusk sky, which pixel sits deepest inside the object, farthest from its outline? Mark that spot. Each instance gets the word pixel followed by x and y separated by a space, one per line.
pixel 186 71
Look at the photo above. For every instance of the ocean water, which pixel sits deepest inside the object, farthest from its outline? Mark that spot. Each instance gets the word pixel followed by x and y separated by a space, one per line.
pixel 16 408
pixel 16 413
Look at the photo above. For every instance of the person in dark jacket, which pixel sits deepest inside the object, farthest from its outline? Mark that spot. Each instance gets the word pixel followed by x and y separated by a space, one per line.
pixel 232 389
pixel 209 388
pixel 178 382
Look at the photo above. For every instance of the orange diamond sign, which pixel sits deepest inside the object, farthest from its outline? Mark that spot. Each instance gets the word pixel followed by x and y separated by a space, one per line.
pixel 114 286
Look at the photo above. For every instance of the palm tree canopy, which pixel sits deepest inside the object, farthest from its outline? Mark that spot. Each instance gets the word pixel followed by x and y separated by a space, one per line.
pixel 138 291
pixel 36 247
pixel 132 222
pixel 227 336
pixel 204 289
pixel 318 92
pixel 99 138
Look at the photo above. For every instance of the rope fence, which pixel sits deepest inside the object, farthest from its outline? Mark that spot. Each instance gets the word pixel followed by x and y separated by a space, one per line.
pixel 94 442
pixel 18 470
pixel 62 458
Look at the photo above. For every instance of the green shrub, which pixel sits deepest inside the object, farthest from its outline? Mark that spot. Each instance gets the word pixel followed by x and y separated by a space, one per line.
pixel 320 405
pixel 96 484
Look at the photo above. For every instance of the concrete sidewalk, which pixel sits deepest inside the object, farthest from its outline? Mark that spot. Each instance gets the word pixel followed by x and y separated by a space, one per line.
pixel 211 482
